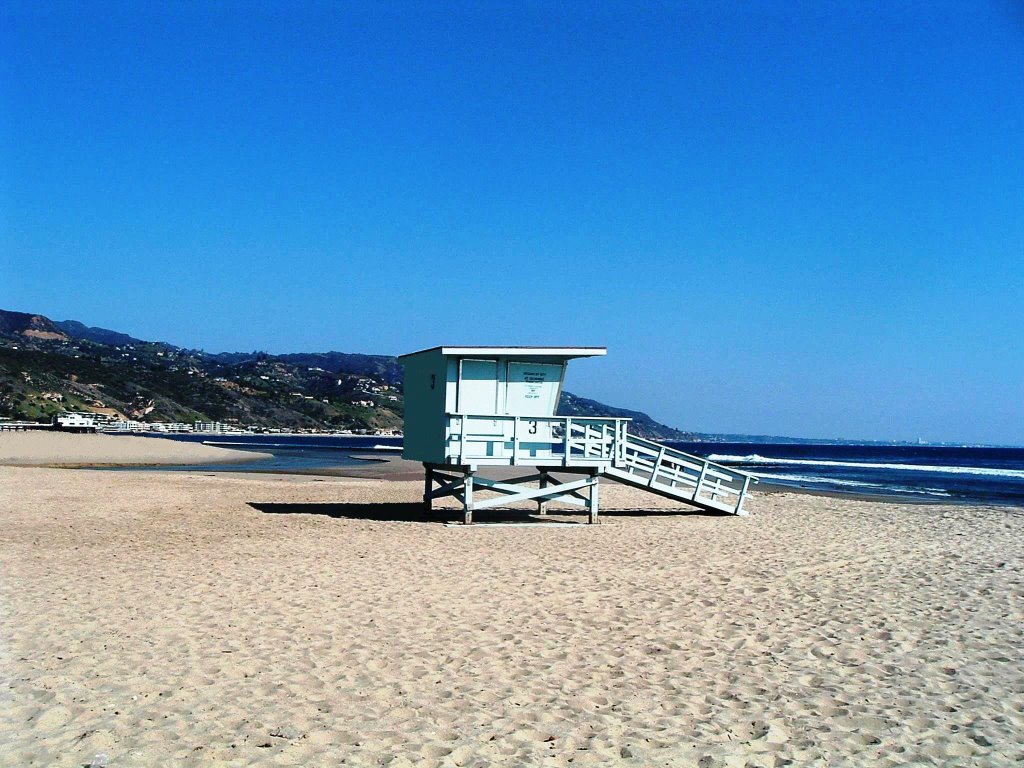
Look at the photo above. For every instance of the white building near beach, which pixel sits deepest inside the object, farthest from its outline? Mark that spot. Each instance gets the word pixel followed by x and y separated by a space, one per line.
pixel 125 426
pixel 75 422
pixel 211 427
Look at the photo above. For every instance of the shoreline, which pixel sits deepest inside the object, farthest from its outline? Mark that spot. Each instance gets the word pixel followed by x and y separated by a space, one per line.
pixel 61 450
pixel 69 450
pixel 252 434
pixel 956 486
pixel 387 468
pixel 390 467
pixel 896 498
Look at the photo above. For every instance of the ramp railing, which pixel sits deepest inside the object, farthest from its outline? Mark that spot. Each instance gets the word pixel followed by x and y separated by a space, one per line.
pixel 601 443
pixel 683 475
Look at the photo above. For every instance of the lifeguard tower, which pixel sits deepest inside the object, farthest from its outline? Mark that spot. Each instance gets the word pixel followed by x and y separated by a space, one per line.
pixel 472 407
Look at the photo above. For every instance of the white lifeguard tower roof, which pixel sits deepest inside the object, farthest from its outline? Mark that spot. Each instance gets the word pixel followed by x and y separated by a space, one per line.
pixel 564 352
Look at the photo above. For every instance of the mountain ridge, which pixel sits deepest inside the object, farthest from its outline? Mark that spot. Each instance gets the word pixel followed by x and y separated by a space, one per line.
pixel 29 326
pixel 48 366
pixel 77 330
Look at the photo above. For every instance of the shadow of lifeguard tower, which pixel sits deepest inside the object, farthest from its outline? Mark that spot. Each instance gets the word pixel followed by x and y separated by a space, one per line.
pixel 473 407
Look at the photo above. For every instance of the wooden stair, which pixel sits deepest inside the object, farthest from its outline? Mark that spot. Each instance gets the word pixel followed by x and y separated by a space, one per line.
pixel 673 474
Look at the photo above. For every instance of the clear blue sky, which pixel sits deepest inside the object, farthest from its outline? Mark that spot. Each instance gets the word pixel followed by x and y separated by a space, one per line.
pixel 792 218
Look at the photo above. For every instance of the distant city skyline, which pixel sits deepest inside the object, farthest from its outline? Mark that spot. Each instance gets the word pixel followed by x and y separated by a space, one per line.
pixel 779 219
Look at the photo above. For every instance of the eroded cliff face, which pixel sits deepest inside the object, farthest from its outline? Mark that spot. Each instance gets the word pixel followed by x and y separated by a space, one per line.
pixel 29 326
pixel 37 333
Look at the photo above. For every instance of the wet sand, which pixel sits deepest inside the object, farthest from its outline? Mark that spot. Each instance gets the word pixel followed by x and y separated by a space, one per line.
pixel 67 450
pixel 230 619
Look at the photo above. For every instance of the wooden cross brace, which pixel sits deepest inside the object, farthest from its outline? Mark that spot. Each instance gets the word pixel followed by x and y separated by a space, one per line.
pixel 462 486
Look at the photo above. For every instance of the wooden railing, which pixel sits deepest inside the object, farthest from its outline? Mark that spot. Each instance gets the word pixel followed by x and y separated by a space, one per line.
pixel 564 440
pixel 21 426
pixel 602 443
pixel 672 471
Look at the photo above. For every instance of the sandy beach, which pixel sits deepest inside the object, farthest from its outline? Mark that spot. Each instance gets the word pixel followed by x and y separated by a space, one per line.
pixel 190 619
pixel 66 449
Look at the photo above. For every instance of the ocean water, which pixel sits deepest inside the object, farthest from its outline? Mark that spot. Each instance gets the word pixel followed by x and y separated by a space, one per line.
pixel 920 473
pixel 289 453
pixel 925 473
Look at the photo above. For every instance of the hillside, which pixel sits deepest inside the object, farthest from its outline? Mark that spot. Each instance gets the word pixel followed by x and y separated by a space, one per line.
pixel 642 425
pixel 47 366
pixel 78 330
pixel 25 327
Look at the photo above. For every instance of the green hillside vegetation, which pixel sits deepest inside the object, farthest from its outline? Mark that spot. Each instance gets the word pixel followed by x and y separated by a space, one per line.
pixel 48 367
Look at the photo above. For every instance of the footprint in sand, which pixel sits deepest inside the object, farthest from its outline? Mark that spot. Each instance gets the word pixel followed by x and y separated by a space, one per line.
pixel 54 717
pixel 749 730
pixel 822 653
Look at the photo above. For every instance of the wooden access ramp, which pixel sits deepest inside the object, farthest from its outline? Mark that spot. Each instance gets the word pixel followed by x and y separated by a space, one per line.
pixel 587 447
pixel 671 473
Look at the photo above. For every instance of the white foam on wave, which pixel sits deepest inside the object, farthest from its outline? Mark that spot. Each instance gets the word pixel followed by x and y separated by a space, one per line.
pixel 757 459
pixel 854 484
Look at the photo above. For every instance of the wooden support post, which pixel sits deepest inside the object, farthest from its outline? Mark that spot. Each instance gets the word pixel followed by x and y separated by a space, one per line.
pixel 468 495
pixel 428 486
pixel 594 500
pixel 700 480
pixel 743 495
pixel 621 443
pixel 657 466
pixel 567 458
pixel 515 438
pixel 463 428
pixel 542 505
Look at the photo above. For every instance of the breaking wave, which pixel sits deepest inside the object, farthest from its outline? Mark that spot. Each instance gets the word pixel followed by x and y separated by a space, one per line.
pixel 769 460
pixel 854 484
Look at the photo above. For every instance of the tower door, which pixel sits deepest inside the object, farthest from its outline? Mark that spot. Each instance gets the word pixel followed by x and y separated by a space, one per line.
pixel 478 394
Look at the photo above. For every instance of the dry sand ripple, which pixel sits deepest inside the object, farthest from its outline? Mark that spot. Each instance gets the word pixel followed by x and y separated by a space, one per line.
pixel 161 619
